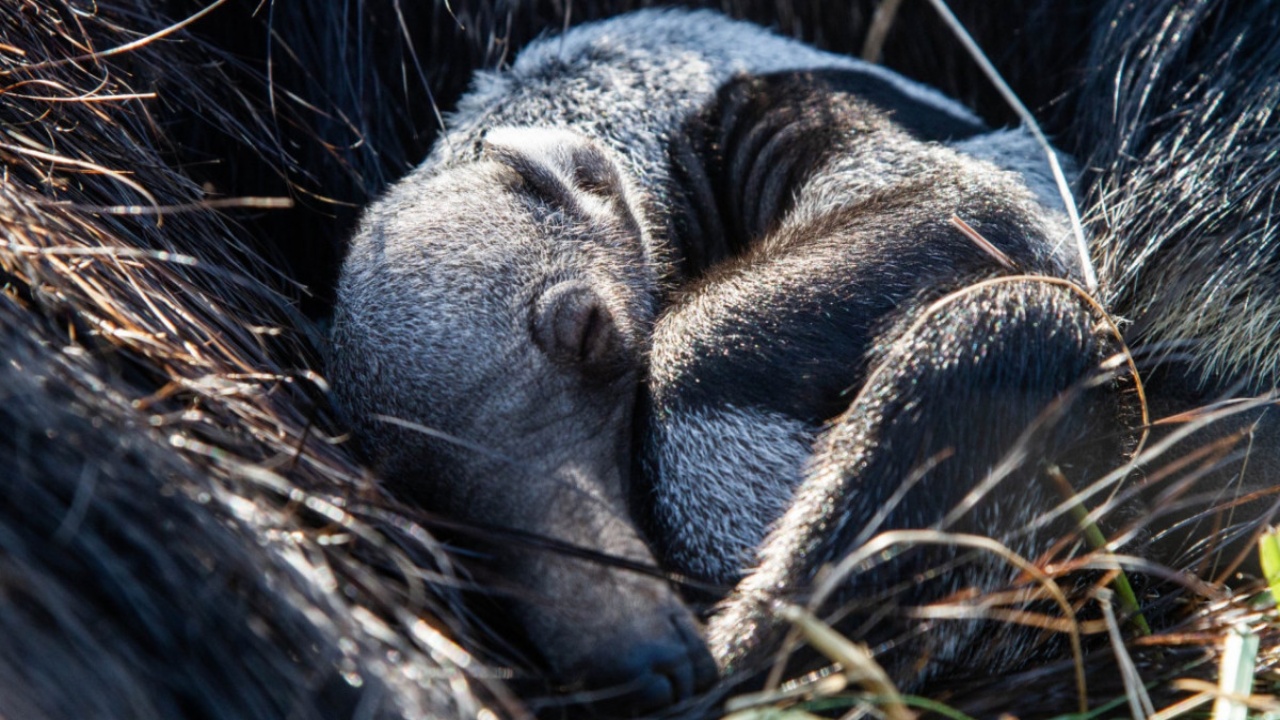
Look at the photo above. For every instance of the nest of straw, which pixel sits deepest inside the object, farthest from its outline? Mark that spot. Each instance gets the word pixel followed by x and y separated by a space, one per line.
pixel 185 531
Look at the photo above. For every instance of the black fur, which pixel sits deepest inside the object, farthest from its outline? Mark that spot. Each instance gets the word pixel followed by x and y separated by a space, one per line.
pixel 849 234
pixel 737 174
pixel 129 589
pixel 806 299
pixel 964 410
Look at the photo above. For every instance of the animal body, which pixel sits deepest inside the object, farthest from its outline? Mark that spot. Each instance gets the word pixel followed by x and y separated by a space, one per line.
pixel 866 349
pixel 840 194
pixel 183 534
pixel 956 390
pixel 855 309
pixel 860 367
pixel 504 295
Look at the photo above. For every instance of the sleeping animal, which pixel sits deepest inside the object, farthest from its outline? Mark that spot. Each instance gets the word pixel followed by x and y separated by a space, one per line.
pixel 851 306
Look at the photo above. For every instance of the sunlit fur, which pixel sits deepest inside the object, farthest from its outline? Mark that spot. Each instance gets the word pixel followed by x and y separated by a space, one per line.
pixel 450 271
pixel 186 529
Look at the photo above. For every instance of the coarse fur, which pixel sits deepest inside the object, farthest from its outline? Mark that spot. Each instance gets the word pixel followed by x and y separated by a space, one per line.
pixel 1193 273
pixel 183 533
pixel 847 222
pixel 828 286
pixel 531 252
pixel 966 394
pixel 180 536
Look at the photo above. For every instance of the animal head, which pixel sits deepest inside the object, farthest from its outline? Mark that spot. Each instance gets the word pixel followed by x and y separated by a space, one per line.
pixel 488 336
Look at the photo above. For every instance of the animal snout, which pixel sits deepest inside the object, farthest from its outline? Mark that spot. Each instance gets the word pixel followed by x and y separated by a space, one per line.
pixel 650 670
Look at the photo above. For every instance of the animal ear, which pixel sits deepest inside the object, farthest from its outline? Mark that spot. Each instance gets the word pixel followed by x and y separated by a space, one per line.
pixel 573 326
pixel 560 165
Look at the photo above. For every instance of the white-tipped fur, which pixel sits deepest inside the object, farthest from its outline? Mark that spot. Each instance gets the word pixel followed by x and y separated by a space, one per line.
pixel 446 276
pixel 1017 150
pixel 631 80
pixel 727 473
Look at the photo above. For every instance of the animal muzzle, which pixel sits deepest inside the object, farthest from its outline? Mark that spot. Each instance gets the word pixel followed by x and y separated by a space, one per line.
pixel 613 631
pixel 659 662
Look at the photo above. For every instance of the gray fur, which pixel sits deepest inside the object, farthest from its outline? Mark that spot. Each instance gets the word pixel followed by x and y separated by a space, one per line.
pixel 845 284
pixel 436 326
pixel 721 477
pixel 632 81
pixel 960 401
pixel 442 319
pixel 1017 150
pixel 495 312
pixel 709 496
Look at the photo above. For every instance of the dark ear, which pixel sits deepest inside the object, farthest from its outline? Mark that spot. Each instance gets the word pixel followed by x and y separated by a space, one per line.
pixel 560 165
pixel 573 326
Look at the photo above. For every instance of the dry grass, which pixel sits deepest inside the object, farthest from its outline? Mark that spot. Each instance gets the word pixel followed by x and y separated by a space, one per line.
pixel 171 433
pixel 186 533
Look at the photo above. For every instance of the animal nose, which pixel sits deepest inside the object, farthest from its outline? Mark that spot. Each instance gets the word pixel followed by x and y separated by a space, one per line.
pixel 653 672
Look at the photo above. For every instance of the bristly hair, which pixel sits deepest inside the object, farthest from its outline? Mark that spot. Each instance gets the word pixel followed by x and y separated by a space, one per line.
pixel 1178 131
pixel 182 533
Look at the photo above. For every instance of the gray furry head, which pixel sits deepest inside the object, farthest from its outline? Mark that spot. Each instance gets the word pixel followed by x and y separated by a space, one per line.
pixel 468 290
pixel 488 337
